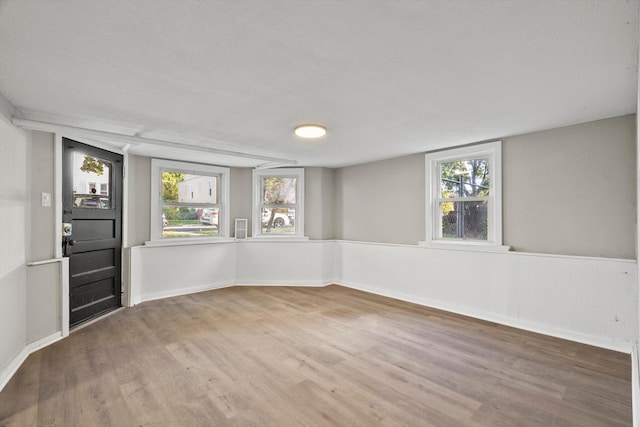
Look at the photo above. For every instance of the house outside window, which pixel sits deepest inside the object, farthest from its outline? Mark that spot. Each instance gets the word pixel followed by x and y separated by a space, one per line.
pixel 189 200
pixel 464 200
pixel 278 209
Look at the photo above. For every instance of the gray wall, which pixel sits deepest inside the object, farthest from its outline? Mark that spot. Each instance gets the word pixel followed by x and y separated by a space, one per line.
pixel 318 204
pixel 240 197
pixel 14 211
pixel 139 201
pixel 567 191
pixel 41 176
pixel 318 209
pixel 30 304
pixel 319 188
pixel 43 287
pixel 572 190
pixel 381 201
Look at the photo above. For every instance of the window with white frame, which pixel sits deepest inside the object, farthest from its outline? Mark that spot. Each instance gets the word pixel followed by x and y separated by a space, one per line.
pixel 464 200
pixel 278 208
pixel 188 200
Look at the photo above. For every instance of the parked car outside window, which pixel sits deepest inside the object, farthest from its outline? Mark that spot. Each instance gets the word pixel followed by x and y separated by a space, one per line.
pixel 91 201
pixel 209 217
pixel 279 219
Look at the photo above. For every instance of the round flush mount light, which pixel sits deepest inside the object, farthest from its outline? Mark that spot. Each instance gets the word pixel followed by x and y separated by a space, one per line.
pixel 310 131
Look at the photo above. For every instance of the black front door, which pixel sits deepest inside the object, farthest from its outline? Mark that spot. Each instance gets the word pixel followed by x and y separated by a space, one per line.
pixel 92 204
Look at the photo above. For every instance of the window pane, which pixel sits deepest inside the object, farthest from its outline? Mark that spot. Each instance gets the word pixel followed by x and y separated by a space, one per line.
pixel 465 178
pixel 278 190
pixel 189 221
pixel 91 182
pixel 464 220
pixel 278 221
pixel 185 188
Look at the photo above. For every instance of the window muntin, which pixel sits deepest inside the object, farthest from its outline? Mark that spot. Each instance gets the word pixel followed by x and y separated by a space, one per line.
pixel 189 200
pixel 464 220
pixel 463 195
pixel 278 195
pixel 465 188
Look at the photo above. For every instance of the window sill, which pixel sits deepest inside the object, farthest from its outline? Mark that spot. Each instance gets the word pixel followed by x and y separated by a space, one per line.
pixel 464 246
pixel 188 241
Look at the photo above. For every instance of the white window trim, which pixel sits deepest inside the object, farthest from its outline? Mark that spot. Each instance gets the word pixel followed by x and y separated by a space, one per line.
pixel 157 166
pixel 258 174
pixel 490 150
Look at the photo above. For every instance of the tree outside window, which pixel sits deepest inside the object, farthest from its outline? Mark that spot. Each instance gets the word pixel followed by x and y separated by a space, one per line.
pixel 188 200
pixel 464 195
pixel 469 181
pixel 278 195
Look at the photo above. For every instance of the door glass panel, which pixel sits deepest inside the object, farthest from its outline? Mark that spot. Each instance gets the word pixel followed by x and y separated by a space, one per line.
pixel 91 182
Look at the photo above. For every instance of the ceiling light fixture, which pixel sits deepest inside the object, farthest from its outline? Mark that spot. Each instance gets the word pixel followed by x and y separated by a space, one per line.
pixel 310 131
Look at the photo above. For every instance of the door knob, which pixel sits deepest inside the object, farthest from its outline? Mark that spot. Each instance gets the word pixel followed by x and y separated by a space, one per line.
pixel 66 243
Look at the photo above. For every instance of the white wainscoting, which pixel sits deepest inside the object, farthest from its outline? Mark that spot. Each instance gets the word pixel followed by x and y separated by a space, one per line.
pixel 165 271
pixel 589 300
pixel 47 317
pixel 294 263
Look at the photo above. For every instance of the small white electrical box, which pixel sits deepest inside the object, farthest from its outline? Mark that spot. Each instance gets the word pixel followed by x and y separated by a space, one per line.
pixel 46 200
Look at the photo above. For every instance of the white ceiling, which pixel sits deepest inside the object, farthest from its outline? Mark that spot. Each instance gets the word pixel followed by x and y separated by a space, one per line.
pixel 387 78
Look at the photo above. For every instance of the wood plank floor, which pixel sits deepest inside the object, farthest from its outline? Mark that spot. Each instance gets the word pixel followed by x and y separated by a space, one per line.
pixel 274 356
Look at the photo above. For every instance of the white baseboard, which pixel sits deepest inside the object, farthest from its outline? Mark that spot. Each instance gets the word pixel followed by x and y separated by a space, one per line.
pixel 293 283
pixel 227 284
pixel 13 367
pixel 43 342
pixel 621 346
pixel 185 291
pixel 17 361
pixel 635 386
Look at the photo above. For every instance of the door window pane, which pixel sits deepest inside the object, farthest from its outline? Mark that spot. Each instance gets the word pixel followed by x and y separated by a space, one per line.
pixel 91 182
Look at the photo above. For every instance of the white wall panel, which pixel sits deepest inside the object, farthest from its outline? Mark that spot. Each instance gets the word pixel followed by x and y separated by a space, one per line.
pixel 43 294
pixel 590 300
pixel 14 215
pixel 302 263
pixel 164 271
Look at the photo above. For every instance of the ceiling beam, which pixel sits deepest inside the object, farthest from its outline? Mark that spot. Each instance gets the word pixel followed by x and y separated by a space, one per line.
pixel 137 140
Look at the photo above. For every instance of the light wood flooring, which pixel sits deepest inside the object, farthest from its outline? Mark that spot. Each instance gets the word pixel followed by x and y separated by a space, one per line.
pixel 276 356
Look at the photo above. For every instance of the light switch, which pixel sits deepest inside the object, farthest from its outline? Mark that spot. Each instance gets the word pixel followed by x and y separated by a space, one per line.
pixel 46 200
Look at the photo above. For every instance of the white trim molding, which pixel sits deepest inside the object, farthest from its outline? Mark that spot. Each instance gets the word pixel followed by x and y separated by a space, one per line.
pixel 258 175
pixel 16 362
pixel 492 151
pixel 223 187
